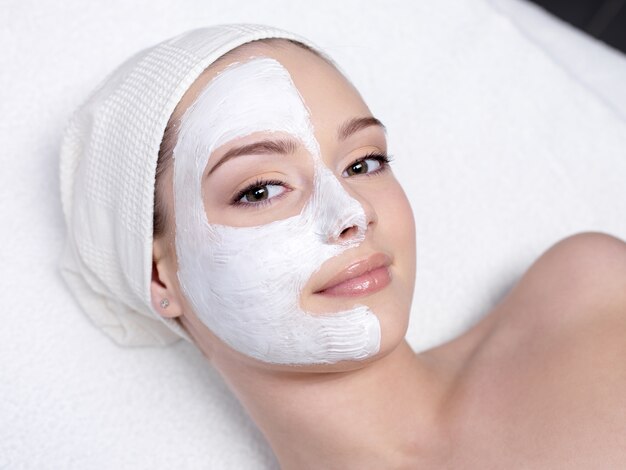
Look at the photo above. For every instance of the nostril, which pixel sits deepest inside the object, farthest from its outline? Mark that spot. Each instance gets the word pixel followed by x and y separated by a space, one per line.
pixel 349 232
pixel 345 231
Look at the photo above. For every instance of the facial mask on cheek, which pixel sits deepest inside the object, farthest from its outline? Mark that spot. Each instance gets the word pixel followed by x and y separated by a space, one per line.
pixel 244 283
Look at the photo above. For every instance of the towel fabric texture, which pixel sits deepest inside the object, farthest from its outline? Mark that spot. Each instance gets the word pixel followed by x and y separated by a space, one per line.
pixel 107 173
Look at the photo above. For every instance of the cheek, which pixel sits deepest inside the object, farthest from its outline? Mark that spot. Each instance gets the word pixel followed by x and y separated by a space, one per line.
pixel 396 217
pixel 397 228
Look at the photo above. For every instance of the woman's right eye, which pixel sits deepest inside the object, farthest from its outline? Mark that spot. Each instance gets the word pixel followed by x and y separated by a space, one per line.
pixel 259 193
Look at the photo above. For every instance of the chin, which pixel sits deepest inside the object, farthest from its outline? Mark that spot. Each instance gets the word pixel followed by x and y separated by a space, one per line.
pixel 387 347
pixel 393 326
pixel 391 306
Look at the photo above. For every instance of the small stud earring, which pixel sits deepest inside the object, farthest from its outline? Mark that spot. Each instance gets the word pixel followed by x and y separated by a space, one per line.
pixel 165 303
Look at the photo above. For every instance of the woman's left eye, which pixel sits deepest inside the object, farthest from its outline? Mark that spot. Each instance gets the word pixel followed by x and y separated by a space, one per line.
pixel 367 165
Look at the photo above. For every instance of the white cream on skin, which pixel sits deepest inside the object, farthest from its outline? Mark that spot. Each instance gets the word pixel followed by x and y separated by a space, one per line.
pixel 244 283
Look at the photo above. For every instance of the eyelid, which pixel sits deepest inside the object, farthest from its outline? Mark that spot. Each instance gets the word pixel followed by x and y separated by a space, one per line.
pixel 382 157
pixel 236 200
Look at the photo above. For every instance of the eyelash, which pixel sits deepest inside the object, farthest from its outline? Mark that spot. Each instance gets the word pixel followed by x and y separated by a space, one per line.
pixel 382 158
pixel 258 183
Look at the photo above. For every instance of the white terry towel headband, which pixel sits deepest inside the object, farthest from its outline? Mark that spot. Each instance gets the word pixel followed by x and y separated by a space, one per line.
pixel 107 171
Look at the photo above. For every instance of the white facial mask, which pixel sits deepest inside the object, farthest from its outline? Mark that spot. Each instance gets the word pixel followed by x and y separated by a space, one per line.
pixel 244 283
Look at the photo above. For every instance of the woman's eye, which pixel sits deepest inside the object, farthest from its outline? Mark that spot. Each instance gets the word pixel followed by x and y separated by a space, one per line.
pixel 259 193
pixel 367 165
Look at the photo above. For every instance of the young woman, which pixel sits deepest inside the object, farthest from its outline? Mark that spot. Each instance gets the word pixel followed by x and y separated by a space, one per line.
pixel 284 248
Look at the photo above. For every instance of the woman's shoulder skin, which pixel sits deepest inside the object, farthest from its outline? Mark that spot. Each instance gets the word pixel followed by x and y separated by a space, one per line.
pixel 547 388
pixel 582 272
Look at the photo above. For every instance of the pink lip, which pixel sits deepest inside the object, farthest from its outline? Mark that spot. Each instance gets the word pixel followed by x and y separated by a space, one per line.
pixel 361 278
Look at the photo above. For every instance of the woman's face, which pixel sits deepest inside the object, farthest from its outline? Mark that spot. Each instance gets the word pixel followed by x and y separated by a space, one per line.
pixel 294 243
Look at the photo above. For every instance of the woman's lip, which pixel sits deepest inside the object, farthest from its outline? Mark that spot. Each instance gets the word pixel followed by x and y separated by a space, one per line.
pixel 362 277
pixel 365 284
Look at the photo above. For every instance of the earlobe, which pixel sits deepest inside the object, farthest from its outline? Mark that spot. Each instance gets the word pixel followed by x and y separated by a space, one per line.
pixel 164 297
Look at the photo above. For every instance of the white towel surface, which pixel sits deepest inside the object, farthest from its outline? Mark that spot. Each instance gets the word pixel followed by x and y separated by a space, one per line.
pixel 503 144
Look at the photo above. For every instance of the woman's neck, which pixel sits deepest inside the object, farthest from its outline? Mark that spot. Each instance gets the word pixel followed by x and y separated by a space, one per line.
pixel 388 414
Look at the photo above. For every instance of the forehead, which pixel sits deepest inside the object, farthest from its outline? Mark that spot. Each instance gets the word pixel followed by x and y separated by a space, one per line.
pixel 328 95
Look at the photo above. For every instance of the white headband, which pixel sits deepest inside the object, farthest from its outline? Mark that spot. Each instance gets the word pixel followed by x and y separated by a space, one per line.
pixel 107 175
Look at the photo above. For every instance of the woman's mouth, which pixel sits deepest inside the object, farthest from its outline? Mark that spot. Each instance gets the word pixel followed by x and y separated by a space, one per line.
pixel 364 277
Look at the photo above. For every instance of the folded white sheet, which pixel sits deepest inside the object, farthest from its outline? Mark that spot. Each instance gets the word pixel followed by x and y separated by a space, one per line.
pixel 601 69
pixel 502 148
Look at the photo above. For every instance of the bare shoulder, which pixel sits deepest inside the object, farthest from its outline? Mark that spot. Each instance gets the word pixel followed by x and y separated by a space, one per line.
pixel 579 278
pixel 588 254
pixel 550 382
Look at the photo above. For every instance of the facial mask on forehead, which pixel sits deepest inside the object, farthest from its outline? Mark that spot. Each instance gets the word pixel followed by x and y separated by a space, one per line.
pixel 244 283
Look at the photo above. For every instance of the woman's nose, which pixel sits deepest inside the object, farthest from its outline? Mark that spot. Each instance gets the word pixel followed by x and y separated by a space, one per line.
pixel 353 228
pixel 342 214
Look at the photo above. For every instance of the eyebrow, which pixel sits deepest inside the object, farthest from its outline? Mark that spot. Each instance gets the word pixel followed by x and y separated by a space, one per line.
pixel 286 147
pixel 354 125
pixel 263 147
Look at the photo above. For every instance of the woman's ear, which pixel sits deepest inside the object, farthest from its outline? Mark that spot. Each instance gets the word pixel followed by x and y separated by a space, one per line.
pixel 163 291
